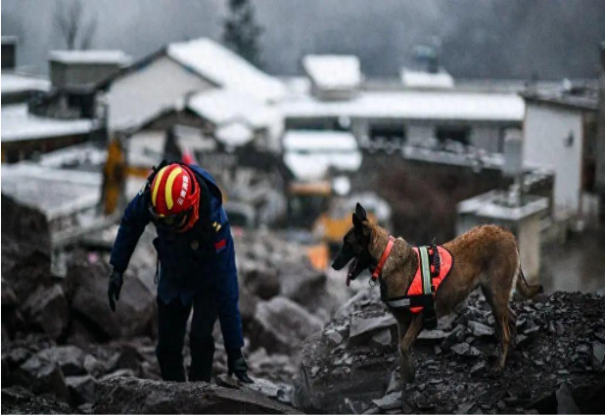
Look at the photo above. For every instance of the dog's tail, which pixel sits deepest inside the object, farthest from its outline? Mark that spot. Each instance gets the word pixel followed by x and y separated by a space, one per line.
pixel 525 289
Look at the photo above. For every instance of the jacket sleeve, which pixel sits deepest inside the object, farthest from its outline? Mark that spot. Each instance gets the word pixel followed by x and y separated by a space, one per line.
pixel 228 311
pixel 135 219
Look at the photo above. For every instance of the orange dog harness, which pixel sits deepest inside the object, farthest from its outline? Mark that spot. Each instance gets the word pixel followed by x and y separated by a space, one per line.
pixel 434 265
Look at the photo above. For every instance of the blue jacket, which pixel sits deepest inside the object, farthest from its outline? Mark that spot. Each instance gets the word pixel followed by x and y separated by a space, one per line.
pixel 202 258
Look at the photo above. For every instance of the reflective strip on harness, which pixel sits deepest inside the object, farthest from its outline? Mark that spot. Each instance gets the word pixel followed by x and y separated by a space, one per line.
pixel 422 289
pixel 425 270
pixel 399 303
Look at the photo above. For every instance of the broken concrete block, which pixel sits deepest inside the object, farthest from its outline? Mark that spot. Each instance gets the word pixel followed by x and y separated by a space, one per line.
pixel 41 375
pixel 82 388
pixel 49 310
pixel 69 358
pixel 281 326
pixel 362 329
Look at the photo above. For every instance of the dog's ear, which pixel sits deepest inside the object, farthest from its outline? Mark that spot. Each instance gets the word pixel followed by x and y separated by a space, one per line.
pixel 361 212
pixel 357 225
pixel 361 229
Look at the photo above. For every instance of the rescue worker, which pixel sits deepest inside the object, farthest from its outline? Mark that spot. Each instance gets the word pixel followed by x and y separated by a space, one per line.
pixel 196 268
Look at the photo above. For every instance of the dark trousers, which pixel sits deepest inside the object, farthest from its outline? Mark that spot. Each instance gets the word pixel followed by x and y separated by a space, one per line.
pixel 172 325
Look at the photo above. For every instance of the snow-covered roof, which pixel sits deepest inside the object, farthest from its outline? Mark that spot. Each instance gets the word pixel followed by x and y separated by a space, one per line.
pixel 319 141
pixel 13 83
pixel 234 135
pixel 92 56
pixel 84 154
pixel 225 68
pixel 333 72
pixel 422 79
pixel 310 154
pixel 223 106
pixel 18 124
pixel 56 192
pixel 415 105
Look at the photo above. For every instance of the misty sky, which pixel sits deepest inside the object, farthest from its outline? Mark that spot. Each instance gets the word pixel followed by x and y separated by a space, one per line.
pixel 481 39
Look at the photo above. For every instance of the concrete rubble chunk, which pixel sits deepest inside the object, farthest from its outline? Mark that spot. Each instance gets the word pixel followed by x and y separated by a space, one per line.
pixel 389 402
pixel 364 328
pixel 134 310
pixel 465 350
pixel 41 375
pixel 382 339
pixel 82 388
pixel 48 309
pixel 26 248
pixel 565 402
pixel 69 358
pixel 433 335
pixel 138 396
pixel 334 336
pixel 480 330
pixel 17 400
pixel 281 326
pixel 598 351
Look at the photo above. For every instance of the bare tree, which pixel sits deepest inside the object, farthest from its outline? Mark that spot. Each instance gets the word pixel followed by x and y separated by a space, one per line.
pixel 71 22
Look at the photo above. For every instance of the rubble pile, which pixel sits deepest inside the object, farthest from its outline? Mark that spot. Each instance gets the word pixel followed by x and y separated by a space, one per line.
pixel 60 339
pixel 352 366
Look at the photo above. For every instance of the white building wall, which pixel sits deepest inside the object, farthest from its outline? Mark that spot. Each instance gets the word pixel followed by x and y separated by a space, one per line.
pixel 142 94
pixel 546 130
pixel 486 138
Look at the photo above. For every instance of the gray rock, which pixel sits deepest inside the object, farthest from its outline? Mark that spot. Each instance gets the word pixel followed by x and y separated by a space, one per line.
pixel 478 368
pixel 598 351
pixel 465 350
pixel 69 358
pixel 126 372
pixel 389 402
pixel 41 375
pixel 48 309
pixel 433 335
pixel 301 282
pixel 260 280
pixel 281 326
pixel 138 396
pixel 362 328
pixel 565 402
pixel 134 310
pixel 382 339
pixel 17 400
pixel 480 330
pixel 26 248
pixel 333 336
pixel 82 388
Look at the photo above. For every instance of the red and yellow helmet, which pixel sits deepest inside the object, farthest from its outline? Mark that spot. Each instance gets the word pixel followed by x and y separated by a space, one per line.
pixel 175 197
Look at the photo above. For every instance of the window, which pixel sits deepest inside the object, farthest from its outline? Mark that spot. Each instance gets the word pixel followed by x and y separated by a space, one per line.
pixel 456 134
pixel 323 123
pixel 388 132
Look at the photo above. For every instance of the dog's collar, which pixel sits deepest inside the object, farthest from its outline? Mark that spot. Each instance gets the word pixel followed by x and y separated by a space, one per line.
pixel 383 258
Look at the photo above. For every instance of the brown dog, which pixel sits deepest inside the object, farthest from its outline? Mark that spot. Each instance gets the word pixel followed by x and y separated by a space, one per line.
pixel 485 256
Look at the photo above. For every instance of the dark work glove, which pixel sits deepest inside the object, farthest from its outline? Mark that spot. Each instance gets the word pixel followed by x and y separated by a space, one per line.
pixel 113 290
pixel 238 366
